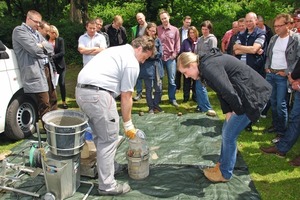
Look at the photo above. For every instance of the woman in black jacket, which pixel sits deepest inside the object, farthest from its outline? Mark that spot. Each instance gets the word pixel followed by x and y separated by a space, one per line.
pixel 242 92
pixel 59 61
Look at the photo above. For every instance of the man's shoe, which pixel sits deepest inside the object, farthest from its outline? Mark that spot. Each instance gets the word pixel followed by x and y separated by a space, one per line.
pixel 174 103
pixel 137 97
pixel 272 150
pixel 295 162
pixel 214 175
pixel 211 113
pixel 119 189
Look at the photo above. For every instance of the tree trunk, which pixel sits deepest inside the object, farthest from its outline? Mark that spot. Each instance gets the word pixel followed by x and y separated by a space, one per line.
pixel 75 12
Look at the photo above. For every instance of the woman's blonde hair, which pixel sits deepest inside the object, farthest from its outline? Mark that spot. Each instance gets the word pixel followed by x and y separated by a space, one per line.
pixel 55 30
pixel 185 58
pixel 196 32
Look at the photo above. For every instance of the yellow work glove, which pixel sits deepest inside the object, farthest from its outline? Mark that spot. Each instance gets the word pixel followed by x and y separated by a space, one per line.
pixel 130 130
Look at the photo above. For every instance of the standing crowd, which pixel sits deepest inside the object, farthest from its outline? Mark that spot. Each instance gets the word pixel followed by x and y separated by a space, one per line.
pixel 253 71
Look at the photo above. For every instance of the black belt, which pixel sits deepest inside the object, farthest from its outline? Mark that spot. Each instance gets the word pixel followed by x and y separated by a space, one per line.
pixel 92 87
pixel 275 71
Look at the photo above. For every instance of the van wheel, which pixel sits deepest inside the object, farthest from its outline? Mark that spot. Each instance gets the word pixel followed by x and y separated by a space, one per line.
pixel 21 117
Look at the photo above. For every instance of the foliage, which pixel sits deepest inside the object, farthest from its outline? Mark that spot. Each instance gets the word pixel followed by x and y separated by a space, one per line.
pixel 220 12
pixel 7 25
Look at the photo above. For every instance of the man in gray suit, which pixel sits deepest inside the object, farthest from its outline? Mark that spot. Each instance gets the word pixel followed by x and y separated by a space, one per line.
pixel 32 52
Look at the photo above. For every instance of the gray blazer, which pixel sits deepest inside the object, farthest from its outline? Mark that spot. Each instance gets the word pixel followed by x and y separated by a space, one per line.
pixel 292 52
pixel 30 59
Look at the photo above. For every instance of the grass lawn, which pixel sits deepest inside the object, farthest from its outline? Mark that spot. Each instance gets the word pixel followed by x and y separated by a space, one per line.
pixel 273 177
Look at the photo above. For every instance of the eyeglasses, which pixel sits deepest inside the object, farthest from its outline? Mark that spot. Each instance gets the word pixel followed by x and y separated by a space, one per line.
pixel 35 21
pixel 279 26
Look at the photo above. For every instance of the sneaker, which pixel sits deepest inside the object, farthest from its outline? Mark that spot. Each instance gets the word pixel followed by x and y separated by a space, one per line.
pixel 151 111
pixel 119 189
pixel 137 97
pixel 174 103
pixel 214 175
pixel 211 113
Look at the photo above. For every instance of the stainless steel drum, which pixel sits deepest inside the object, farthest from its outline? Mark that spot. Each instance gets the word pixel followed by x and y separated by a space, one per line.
pixel 65 131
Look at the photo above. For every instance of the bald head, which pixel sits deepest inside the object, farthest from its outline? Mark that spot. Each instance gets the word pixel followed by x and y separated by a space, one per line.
pixel 140 18
pixel 251 21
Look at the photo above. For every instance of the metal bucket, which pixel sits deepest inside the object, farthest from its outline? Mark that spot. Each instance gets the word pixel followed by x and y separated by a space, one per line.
pixel 65 131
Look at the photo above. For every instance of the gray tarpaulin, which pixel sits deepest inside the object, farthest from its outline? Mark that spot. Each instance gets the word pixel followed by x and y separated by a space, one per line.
pixel 180 147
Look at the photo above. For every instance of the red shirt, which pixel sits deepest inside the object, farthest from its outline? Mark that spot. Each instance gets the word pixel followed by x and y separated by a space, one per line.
pixel 170 40
pixel 226 38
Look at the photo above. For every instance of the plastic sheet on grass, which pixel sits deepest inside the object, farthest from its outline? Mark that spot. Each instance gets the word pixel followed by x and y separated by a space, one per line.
pixel 180 147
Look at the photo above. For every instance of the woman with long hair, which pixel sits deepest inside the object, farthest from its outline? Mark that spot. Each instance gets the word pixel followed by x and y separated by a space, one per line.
pixel 59 61
pixel 152 72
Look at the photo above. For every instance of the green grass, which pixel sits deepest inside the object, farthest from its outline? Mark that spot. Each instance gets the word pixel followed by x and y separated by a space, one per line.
pixel 273 177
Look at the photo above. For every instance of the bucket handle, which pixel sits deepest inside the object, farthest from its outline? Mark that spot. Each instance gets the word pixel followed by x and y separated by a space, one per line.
pixel 67 149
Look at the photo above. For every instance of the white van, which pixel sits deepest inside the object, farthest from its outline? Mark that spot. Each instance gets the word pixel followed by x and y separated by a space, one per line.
pixel 18 111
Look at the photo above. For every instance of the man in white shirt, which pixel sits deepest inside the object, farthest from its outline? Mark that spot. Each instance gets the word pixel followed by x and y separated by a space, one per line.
pixel 91 42
pixel 282 55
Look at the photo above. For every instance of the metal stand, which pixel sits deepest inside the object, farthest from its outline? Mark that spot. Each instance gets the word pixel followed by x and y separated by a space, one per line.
pixel 5 180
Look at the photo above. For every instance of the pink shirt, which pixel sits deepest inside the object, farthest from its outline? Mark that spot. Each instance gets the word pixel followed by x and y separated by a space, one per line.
pixel 226 38
pixel 170 40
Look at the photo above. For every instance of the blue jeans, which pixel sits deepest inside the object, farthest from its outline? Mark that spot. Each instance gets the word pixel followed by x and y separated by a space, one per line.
pixel 202 96
pixel 278 101
pixel 139 86
pixel 151 84
pixel 293 131
pixel 171 72
pixel 230 131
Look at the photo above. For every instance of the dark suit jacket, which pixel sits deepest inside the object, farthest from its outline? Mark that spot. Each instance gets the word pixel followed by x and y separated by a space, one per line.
pixel 59 52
